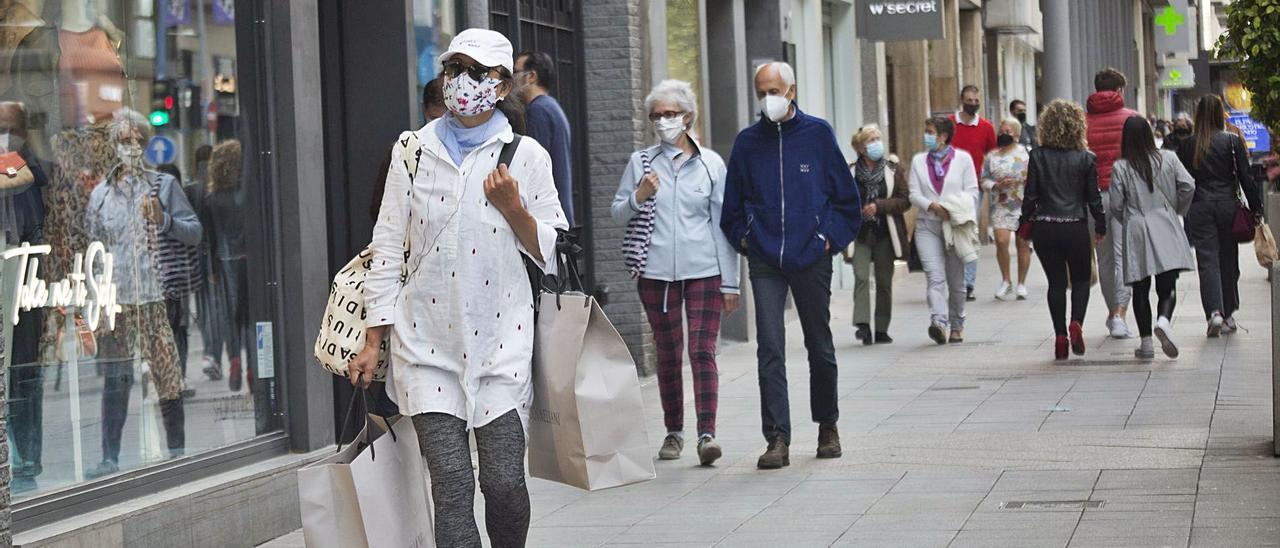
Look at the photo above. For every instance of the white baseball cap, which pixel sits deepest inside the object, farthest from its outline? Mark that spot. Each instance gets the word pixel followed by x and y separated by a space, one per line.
pixel 487 47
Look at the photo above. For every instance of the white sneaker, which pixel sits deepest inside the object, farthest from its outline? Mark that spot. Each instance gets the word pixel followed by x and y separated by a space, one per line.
pixel 1164 332
pixel 1022 292
pixel 1117 327
pixel 1004 291
pixel 1229 326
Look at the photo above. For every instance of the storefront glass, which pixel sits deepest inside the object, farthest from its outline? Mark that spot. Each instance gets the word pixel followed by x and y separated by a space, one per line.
pixel 128 316
pixel 684 48
pixel 434 22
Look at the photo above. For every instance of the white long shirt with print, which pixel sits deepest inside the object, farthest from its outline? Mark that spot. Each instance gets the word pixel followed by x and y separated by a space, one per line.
pixel 462 324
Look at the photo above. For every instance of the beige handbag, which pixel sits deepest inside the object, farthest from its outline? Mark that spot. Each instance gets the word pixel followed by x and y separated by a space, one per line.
pixel 15 174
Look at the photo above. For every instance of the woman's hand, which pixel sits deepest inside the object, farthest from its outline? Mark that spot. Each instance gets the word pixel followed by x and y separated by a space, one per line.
pixel 503 191
pixel 870 210
pixel 1097 238
pixel 152 210
pixel 732 302
pixel 360 370
pixel 648 187
pixel 942 213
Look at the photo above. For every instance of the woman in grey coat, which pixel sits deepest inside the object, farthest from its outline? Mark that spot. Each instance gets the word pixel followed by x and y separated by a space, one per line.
pixel 1149 190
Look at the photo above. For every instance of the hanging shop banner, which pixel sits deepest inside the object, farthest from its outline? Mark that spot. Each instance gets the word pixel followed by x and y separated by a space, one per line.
pixel 176 12
pixel 224 12
pixel 1174 28
pixel 89 286
pixel 1177 77
pixel 1255 134
pixel 899 20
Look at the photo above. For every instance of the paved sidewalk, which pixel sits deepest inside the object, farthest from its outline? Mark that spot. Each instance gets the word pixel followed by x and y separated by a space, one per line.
pixel 989 443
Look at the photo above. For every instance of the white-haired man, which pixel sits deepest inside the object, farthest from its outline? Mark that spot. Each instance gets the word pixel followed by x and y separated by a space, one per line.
pixel 790 204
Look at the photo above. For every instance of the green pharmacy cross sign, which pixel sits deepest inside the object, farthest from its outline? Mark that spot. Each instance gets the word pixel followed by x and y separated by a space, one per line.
pixel 1170 18
pixel 1177 77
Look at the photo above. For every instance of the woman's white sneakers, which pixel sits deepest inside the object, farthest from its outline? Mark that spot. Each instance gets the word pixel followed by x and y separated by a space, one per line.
pixel 1164 332
pixel 1022 292
pixel 1005 291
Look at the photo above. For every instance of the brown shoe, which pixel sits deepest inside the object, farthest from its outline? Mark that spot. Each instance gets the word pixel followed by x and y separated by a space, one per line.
pixel 828 442
pixel 777 456
pixel 671 448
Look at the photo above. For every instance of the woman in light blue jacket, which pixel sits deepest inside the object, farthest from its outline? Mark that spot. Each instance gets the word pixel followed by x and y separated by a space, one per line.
pixel 687 260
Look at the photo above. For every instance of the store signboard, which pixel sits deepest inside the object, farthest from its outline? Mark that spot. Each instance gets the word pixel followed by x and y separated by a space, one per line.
pixel 900 20
pixel 176 12
pixel 90 285
pixel 224 12
pixel 1174 27
pixel 1180 76
pixel 1256 135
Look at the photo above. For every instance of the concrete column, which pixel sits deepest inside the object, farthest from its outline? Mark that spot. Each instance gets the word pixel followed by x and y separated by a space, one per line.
pixel 616 83
pixel 730 78
pixel 944 61
pixel 909 89
pixel 972 47
pixel 1057 49
pixel 477 14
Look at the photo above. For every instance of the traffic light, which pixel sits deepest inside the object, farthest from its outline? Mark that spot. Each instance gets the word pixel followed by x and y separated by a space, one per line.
pixel 163 103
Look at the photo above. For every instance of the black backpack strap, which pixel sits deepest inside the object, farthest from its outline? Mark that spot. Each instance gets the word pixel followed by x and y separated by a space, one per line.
pixel 509 151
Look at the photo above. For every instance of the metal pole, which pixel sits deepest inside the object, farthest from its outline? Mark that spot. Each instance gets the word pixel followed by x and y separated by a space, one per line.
pixel 1057 49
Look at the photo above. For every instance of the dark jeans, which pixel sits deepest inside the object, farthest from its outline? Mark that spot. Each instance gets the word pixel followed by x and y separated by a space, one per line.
pixel 811 289
pixel 26 397
pixel 1066 254
pixel 1217 255
pixel 1166 292
pixel 117 372
pixel 235 281
pixel 177 312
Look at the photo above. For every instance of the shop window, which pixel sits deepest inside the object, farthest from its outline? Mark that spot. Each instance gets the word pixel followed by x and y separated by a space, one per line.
pixel 434 25
pixel 684 48
pixel 126 288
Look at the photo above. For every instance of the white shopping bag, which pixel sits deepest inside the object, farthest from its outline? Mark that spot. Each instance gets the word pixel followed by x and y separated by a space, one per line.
pixel 369 495
pixel 586 426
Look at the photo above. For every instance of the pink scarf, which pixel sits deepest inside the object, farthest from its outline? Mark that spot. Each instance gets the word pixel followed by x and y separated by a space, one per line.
pixel 939 167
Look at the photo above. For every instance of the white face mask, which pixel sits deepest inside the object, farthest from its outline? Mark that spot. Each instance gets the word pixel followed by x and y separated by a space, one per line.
pixel 130 155
pixel 1159 142
pixel 669 130
pixel 775 107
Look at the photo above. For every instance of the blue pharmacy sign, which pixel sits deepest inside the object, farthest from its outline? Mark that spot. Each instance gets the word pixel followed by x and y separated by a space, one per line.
pixel 1255 134
pixel 161 150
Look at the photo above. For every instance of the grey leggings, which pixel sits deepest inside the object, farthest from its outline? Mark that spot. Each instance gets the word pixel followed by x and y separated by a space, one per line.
pixel 443 441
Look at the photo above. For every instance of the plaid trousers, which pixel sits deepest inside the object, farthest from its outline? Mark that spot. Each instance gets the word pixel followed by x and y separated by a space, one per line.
pixel 702 303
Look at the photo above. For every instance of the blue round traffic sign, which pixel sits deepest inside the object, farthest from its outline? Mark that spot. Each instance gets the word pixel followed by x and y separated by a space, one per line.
pixel 161 150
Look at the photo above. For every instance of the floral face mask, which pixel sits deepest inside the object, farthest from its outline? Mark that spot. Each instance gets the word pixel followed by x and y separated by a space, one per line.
pixel 467 97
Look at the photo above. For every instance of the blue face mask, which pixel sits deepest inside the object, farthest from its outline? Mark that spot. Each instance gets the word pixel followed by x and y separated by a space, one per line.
pixel 875 151
pixel 930 142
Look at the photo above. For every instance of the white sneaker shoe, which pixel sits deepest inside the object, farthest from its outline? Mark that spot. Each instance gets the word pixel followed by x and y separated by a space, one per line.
pixel 1022 292
pixel 1229 326
pixel 1117 327
pixel 1164 332
pixel 1004 291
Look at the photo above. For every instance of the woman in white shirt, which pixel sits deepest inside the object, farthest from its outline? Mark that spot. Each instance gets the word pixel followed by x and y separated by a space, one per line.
pixel 943 182
pixel 462 320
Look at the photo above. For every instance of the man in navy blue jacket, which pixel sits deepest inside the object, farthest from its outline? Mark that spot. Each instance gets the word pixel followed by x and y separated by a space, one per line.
pixel 790 204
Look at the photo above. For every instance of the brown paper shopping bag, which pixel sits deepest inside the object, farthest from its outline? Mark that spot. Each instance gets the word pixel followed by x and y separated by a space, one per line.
pixel 369 495
pixel 586 426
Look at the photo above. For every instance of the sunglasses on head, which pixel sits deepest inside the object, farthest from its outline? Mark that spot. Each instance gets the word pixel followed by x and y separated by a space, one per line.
pixel 477 72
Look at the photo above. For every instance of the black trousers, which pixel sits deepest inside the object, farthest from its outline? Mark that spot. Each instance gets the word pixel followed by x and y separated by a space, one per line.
pixel 1066 255
pixel 26 396
pixel 1166 293
pixel 1217 255
pixel 177 311
pixel 811 289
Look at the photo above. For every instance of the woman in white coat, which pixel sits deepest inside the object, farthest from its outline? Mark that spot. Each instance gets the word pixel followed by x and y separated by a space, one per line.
pixel 462 320
pixel 942 175
pixel 1150 188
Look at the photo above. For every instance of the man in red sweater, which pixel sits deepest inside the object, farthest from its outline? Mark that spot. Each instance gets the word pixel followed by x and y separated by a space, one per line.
pixel 1105 122
pixel 977 137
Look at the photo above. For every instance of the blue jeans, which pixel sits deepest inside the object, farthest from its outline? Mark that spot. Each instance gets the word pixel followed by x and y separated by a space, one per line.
pixel 811 289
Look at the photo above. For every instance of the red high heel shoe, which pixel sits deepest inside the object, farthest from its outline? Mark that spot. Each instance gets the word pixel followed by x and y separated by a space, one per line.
pixel 1077 338
pixel 1060 348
